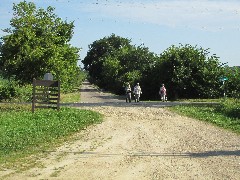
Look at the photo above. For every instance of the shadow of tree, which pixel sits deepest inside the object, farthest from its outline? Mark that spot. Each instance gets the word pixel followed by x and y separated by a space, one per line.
pixel 154 154
pixel 216 153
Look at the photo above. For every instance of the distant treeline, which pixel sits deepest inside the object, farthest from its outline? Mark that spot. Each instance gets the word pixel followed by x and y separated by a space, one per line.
pixel 187 71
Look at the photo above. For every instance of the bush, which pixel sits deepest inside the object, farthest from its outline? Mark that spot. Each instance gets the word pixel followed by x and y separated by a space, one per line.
pixel 73 84
pixel 10 90
pixel 7 90
pixel 230 107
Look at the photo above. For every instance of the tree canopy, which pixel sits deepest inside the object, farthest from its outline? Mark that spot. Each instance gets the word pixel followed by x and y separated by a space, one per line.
pixel 187 71
pixel 99 50
pixel 190 72
pixel 112 61
pixel 37 43
pixel 232 84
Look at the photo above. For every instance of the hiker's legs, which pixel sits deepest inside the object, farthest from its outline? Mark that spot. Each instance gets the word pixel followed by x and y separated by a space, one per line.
pixel 137 97
pixel 163 97
pixel 128 98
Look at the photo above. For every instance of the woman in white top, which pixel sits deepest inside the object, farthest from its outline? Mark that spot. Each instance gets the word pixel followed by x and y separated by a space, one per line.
pixel 137 91
pixel 128 92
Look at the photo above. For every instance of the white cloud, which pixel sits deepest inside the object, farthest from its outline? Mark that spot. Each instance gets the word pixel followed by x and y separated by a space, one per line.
pixel 205 14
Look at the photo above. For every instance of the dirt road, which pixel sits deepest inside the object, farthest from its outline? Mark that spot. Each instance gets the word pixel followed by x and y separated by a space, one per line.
pixel 140 142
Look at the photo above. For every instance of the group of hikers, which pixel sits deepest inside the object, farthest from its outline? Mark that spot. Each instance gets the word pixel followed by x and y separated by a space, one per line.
pixel 137 91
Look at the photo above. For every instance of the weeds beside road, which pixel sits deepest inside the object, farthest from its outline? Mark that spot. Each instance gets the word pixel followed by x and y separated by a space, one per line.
pixel 226 114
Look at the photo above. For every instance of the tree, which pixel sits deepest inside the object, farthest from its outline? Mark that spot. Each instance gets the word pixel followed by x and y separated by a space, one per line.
pixel 232 84
pixel 189 72
pixel 97 52
pixel 113 61
pixel 37 43
pixel 136 65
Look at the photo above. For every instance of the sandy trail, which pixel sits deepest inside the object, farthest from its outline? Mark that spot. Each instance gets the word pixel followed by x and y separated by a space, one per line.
pixel 139 142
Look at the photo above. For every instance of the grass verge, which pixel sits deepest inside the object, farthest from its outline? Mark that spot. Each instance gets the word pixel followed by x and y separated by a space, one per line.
pixel 225 115
pixel 24 133
pixel 70 97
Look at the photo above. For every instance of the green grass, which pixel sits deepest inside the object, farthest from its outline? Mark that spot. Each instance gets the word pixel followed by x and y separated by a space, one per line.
pixel 70 97
pixel 225 115
pixel 24 133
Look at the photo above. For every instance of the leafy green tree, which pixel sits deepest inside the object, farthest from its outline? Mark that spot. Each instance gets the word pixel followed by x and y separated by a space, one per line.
pixel 232 84
pixel 189 72
pixel 137 65
pixel 111 68
pixel 113 61
pixel 99 50
pixel 37 43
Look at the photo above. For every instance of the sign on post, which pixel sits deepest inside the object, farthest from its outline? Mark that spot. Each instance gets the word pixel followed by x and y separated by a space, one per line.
pixel 48 76
pixel 46 94
pixel 223 79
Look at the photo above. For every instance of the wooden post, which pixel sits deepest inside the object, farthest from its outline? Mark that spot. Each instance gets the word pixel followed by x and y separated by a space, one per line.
pixel 58 100
pixel 34 95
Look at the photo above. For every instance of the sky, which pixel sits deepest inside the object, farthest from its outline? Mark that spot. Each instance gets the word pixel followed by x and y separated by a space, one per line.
pixel 156 24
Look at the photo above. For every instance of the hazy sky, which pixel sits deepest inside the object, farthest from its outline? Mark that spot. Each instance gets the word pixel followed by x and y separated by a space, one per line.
pixel 157 24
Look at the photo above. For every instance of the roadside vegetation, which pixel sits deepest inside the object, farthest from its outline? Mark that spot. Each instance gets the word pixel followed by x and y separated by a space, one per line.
pixel 70 97
pixel 24 133
pixel 12 91
pixel 226 114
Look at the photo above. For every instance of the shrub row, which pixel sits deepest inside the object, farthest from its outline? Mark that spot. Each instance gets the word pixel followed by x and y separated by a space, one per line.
pixel 10 90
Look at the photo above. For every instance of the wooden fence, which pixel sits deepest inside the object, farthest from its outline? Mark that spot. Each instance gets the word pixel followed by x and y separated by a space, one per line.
pixel 46 94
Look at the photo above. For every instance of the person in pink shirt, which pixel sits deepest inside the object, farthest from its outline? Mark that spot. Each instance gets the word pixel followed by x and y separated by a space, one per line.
pixel 163 93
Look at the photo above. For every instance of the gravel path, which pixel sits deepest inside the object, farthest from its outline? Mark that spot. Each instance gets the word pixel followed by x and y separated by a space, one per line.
pixel 140 142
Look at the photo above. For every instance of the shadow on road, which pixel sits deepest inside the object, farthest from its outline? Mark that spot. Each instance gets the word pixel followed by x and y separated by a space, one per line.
pixel 154 154
pixel 122 103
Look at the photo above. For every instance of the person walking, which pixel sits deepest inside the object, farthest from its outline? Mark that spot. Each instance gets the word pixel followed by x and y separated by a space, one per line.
pixel 128 91
pixel 137 92
pixel 163 93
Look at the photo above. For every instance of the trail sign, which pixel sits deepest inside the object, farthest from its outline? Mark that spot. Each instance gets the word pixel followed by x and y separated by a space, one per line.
pixel 48 76
pixel 223 79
